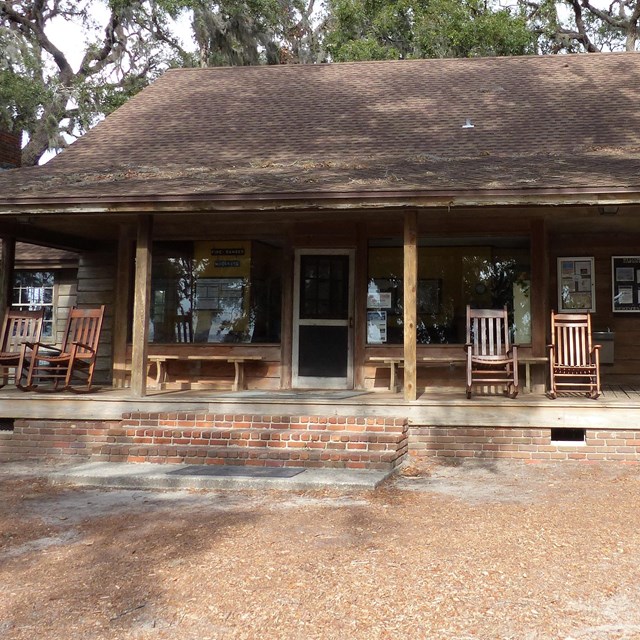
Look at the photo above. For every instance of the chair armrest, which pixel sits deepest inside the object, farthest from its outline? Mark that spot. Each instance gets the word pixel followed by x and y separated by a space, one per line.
pixel 35 346
pixel 596 346
pixel 468 346
pixel 84 346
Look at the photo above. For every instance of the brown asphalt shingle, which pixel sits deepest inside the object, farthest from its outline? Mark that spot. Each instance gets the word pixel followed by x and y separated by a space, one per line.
pixel 552 122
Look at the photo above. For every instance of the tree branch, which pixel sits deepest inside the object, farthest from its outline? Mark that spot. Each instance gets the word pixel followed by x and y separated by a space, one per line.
pixel 583 37
pixel 101 58
pixel 34 28
pixel 603 15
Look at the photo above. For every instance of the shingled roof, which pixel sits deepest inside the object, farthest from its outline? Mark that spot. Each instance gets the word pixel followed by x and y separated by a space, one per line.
pixel 540 124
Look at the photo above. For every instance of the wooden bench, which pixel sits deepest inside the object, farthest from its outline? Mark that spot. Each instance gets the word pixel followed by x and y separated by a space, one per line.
pixel 393 364
pixel 453 361
pixel 160 362
pixel 527 361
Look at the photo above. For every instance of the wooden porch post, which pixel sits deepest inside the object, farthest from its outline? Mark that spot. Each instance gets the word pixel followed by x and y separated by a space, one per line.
pixel 141 307
pixel 6 279
pixel 539 286
pixel 360 310
pixel 121 308
pixel 286 324
pixel 410 303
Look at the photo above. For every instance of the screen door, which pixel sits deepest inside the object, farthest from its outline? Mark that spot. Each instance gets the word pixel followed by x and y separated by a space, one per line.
pixel 323 319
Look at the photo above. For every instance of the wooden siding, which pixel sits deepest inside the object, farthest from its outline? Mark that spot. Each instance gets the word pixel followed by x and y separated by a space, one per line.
pixel 625 325
pixel 96 283
pixel 66 298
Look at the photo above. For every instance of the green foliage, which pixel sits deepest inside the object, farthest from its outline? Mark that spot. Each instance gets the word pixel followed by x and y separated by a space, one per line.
pixel 400 29
pixel 43 96
pixel 575 26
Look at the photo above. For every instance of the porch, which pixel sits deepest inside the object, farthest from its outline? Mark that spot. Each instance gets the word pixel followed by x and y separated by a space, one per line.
pixel 311 429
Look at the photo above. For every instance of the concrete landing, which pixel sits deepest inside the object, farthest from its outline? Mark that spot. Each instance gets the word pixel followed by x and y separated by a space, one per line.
pixel 161 476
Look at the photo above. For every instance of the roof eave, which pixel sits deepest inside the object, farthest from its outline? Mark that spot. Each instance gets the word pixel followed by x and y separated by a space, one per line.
pixel 320 200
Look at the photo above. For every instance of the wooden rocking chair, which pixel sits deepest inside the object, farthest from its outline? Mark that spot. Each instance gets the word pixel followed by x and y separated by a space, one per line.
pixel 43 363
pixel 574 361
pixel 18 327
pixel 491 359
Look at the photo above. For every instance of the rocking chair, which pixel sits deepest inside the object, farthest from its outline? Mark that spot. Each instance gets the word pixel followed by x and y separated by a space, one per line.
pixel 43 363
pixel 491 359
pixel 574 361
pixel 18 327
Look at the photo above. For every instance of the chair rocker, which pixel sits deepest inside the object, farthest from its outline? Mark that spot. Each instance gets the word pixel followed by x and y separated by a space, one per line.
pixel 45 364
pixel 574 361
pixel 491 360
pixel 18 327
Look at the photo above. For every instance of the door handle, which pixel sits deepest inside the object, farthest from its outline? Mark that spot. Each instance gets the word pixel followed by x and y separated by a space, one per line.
pixel 351 323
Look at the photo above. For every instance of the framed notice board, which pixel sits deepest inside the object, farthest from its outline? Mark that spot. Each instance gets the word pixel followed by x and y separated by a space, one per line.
pixel 625 286
pixel 576 285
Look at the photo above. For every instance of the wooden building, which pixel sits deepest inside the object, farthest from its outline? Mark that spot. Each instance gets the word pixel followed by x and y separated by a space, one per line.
pixel 297 232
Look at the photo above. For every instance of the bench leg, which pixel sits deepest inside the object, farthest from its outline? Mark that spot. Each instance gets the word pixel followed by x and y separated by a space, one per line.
pixel 527 375
pixel 238 382
pixel 161 372
pixel 392 377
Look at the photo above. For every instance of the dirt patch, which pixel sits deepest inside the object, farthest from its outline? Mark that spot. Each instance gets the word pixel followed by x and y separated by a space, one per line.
pixel 479 550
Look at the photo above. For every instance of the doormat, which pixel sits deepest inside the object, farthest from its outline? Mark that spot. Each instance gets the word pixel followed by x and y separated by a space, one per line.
pixel 255 394
pixel 236 472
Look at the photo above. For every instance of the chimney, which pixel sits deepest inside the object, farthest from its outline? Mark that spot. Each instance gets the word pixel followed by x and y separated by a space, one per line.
pixel 10 150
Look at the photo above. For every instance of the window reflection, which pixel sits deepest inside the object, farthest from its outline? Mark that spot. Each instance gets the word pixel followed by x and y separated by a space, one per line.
pixel 481 273
pixel 215 292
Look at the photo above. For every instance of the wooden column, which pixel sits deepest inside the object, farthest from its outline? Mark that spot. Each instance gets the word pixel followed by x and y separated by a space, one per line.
pixel 6 278
pixel 410 303
pixel 286 323
pixel 121 307
pixel 539 286
pixel 141 307
pixel 360 308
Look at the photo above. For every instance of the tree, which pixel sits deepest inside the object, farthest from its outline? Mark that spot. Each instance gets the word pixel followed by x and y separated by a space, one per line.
pixel 584 25
pixel 400 29
pixel 245 32
pixel 43 96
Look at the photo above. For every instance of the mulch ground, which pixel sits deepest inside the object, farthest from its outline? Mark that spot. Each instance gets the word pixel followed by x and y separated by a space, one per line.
pixel 477 550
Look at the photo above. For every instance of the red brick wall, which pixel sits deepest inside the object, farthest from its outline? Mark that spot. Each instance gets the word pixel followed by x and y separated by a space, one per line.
pixel 10 153
pixel 301 441
pixel 53 438
pixel 525 444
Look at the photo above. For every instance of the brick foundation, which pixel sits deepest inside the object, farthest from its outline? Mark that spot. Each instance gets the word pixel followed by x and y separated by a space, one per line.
pixel 298 441
pixel 277 441
pixel 53 438
pixel 524 444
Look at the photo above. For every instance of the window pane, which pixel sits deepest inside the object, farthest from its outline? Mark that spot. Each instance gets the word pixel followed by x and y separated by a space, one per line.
pixel 33 290
pixel 227 291
pixel 324 289
pixel 484 273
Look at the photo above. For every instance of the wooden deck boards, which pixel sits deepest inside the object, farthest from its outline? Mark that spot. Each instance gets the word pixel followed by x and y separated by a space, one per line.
pixel 618 407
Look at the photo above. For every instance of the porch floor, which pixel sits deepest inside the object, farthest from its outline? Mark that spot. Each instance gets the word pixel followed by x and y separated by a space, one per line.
pixel 617 407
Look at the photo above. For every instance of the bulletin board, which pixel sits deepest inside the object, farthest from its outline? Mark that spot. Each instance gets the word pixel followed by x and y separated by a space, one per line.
pixel 625 286
pixel 576 285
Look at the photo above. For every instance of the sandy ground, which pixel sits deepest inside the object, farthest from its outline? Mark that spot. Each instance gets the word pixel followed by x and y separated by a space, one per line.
pixel 480 550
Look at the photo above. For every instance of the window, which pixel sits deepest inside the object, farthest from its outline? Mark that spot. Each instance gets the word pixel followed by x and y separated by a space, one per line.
pixel 216 292
pixel 33 290
pixel 481 272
